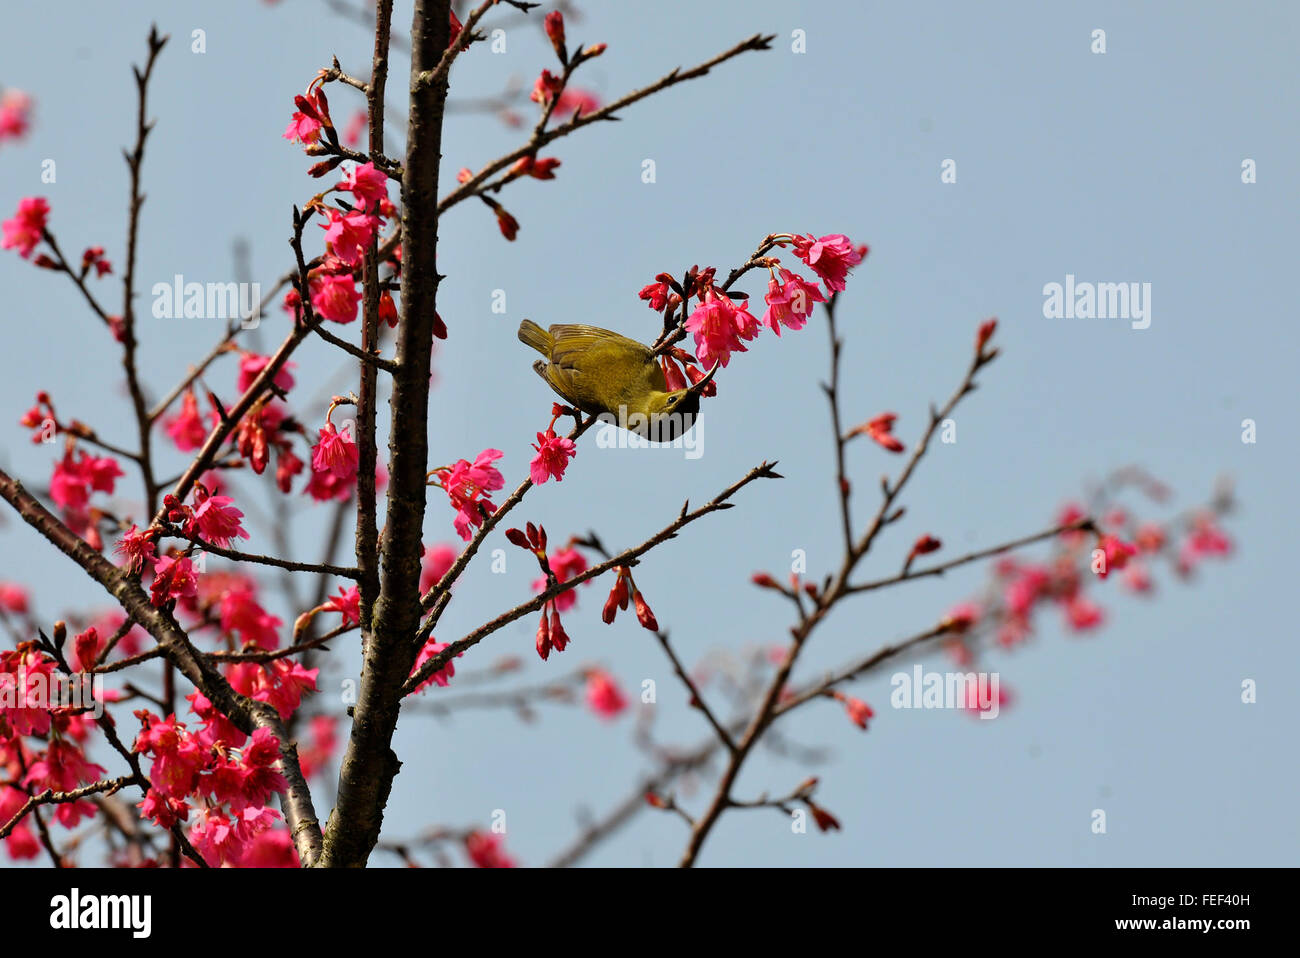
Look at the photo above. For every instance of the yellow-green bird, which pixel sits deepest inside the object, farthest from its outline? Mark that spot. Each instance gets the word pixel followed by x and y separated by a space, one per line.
pixel 605 374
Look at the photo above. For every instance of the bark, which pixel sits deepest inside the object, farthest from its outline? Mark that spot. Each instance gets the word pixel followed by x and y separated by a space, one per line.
pixel 369 763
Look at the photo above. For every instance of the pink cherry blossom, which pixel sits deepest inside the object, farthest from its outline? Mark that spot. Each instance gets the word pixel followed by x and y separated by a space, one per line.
pixel 467 486
pixel 15 110
pixel 335 453
pixel 251 365
pixel 217 521
pixel 719 327
pixel 790 302
pixel 486 851
pixel 23 231
pixel 349 234
pixel 1082 614
pixel 186 428
pixel 565 563
pixel 553 455
pixel 830 257
pixel 347 603
pixel 604 697
pixel 13 598
pixel 437 563
pixel 137 547
pixel 443 675
pixel 172 579
pixel 366 183
pixel 335 297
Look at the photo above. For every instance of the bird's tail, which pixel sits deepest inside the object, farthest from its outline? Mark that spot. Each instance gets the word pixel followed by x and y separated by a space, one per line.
pixel 530 334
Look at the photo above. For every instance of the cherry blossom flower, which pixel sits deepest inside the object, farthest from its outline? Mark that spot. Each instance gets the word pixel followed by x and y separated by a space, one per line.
pixel 216 520
pixel 325 486
pixel 305 125
pixel 1069 514
pixel 23 231
pixel 546 87
pixel 252 364
pixel 177 755
pixel 553 455
pixel 486 851
pixel 467 486
pixel 961 617
pixel 136 547
pixel 1137 578
pixel 604 697
pixel 20 843
pixel 314 755
pixel 830 257
pixel 1207 539
pixel 881 430
pixel 1149 537
pixel 13 598
pixel 437 562
pixel 565 564
pixel 1115 554
pixel 15 114
pixel 76 477
pixel 366 183
pixel 163 810
pixel 1082 614
pixel 347 603
pixel 272 848
pixel 656 294
pixel 719 326
pixel 335 453
pixel 349 234
pixel 172 579
pixel 790 301
pixel 186 428
pixel 443 675
pixel 335 297
pixel 575 100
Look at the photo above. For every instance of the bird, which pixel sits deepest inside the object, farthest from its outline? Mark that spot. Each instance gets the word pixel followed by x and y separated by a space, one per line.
pixel 609 375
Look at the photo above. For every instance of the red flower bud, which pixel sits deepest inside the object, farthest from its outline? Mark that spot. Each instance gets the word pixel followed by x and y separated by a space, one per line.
pixel 554 24
pixel 543 638
pixel 927 543
pixel 643 613
pixel 559 638
pixel 825 820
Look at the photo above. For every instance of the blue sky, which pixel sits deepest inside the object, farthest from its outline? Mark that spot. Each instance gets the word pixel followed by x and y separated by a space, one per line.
pixel 1115 167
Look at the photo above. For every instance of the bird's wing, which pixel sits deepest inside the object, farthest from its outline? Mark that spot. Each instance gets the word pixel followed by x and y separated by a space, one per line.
pixel 578 337
pixel 577 346
pixel 564 380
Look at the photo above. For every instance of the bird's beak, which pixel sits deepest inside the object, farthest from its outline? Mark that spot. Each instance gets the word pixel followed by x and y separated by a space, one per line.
pixel 699 386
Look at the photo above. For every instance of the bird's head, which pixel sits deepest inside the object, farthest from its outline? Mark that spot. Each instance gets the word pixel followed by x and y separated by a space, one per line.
pixel 672 414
